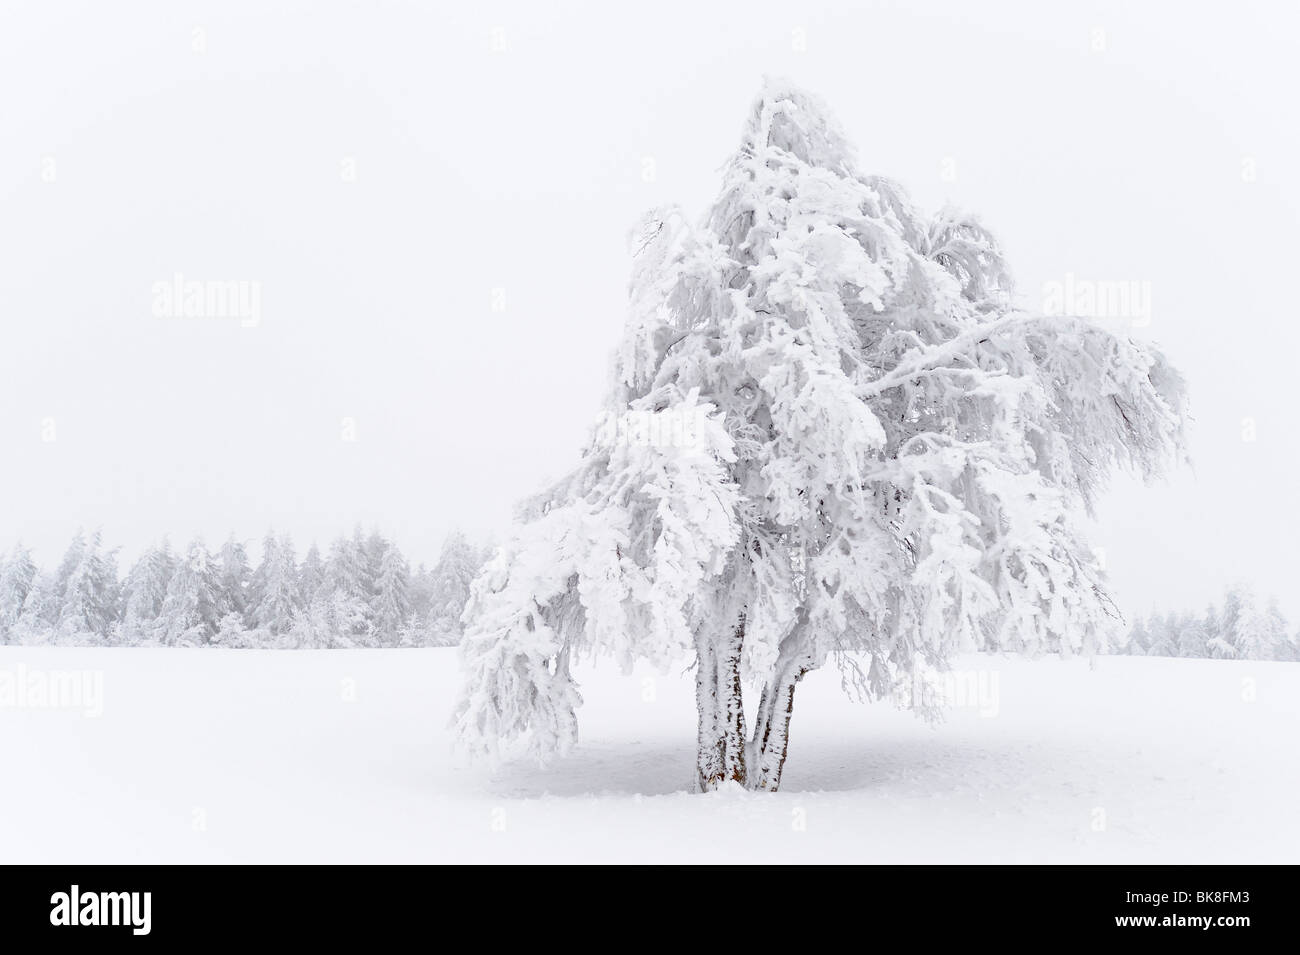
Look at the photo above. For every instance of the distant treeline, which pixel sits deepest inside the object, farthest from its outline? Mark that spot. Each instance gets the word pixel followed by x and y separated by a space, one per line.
pixel 1242 628
pixel 361 593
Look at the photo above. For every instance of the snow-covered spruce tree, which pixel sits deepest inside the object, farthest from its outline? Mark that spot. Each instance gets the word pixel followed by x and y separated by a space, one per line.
pixel 391 604
pixel 1139 638
pixel 312 625
pixel 277 594
pixel 311 574
pixel 1213 632
pixel 236 577
pixel 373 548
pixel 231 633
pixel 345 596
pixel 143 594
pixel 41 606
pixel 192 610
pixel 90 595
pixel 16 579
pixel 1192 640
pixel 71 558
pixel 417 631
pixel 1164 641
pixel 872 455
pixel 421 589
pixel 347 621
pixel 257 580
pixel 50 607
pixel 1223 642
pixel 1279 634
pixel 458 564
pixel 1260 630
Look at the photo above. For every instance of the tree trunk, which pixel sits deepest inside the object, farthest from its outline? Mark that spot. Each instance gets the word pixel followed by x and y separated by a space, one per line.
pixel 771 741
pixel 721 743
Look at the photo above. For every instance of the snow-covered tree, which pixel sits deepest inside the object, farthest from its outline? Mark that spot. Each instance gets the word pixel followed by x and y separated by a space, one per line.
pixel 231 633
pixel 236 577
pixel 391 604
pixel 193 608
pixel 1194 640
pixel 39 609
pixel 16 579
pixel 144 592
pixel 1222 644
pixel 333 620
pixel 421 592
pixel 829 435
pixel 372 549
pixel 1279 635
pixel 1164 640
pixel 1139 638
pixel 449 588
pixel 311 574
pixel 257 580
pixel 277 594
pixel 1260 632
pixel 89 591
pixel 72 558
pixel 346 593
pixel 311 629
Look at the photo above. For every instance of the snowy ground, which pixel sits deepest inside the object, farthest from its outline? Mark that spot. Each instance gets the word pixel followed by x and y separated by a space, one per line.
pixel 251 756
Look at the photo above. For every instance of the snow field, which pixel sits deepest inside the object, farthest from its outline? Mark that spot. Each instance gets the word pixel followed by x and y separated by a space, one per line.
pixel 345 756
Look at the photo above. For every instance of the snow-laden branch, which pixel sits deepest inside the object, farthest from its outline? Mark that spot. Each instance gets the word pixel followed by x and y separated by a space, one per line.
pixel 933 359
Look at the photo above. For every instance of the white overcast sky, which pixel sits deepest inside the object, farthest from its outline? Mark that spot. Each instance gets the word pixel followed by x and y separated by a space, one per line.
pixel 210 139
